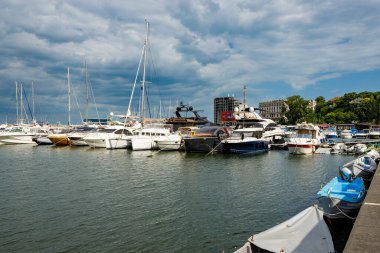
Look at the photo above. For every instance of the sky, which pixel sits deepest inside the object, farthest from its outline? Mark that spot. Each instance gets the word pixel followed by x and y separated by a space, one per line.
pixel 198 50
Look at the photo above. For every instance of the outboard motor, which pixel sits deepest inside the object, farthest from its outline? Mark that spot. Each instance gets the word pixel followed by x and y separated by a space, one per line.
pixel 346 174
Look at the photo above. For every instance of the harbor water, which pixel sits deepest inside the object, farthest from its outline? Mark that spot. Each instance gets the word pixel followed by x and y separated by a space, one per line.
pixel 65 199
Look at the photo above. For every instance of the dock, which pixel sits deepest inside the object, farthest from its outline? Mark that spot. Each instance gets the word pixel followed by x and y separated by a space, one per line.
pixel 365 233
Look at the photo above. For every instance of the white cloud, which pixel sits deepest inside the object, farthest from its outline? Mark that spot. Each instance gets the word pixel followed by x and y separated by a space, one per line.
pixel 209 48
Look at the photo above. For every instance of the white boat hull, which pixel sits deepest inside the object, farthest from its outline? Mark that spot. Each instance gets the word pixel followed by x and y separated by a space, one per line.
pixel 143 143
pixel 170 145
pixel 96 143
pixel 299 149
pixel 118 143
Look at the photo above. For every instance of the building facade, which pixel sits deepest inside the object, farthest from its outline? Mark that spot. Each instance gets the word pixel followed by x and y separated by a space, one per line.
pixel 272 109
pixel 224 108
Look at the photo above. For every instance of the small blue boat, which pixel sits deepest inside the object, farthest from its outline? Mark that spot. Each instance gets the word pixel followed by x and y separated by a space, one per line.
pixel 331 133
pixel 342 197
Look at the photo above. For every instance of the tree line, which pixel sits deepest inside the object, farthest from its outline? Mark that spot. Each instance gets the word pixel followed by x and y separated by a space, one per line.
pixel 352 107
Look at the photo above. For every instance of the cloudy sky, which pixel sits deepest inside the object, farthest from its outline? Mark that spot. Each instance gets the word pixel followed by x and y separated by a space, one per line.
pixel 199 50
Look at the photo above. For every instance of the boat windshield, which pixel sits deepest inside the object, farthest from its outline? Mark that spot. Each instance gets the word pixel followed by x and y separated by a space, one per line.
pixel 308 136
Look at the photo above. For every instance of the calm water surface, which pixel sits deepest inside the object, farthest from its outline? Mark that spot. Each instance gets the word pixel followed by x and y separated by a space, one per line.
pixel 62 199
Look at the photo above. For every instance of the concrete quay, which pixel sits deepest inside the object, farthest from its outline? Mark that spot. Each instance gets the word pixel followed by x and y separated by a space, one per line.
pixel 365 233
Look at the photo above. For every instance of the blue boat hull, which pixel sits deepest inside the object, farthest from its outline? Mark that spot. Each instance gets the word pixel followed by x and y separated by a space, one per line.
pixel 246 148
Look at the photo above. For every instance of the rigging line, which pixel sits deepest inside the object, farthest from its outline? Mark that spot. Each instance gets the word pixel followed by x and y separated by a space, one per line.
pixel 93 97
pixel 76 100
pixel 27 101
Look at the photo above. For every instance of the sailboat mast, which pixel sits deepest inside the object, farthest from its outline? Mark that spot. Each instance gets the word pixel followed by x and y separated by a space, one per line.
pixel 245 95
pixel 86 78
pixel 33 101
pixel 69 93
pixel 144 72
pixel 17 119
pixel 21 104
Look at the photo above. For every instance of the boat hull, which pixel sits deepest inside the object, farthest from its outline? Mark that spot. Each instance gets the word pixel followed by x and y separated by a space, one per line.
pixel 170 145
pixel 144 143
pixel 202 144
pixel 59 140
pixel 301 149
pixel 334 208
pixel 247 148
pixel 96 143
pixel 118 143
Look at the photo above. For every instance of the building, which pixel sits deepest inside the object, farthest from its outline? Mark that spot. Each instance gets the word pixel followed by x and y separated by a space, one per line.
pixel 272 109
pixel 224 108
pixel 312 104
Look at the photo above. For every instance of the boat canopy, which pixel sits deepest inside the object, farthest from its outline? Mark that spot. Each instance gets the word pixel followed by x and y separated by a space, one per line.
pixel 305 232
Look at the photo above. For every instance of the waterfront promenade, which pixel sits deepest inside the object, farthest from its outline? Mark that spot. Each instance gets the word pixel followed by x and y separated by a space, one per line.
pixel 365 234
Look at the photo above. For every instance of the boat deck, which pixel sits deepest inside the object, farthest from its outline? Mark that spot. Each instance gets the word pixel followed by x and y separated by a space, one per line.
pixel 365 234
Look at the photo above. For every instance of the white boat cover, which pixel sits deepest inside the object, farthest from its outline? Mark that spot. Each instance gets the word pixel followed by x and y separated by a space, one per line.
pixel 306 232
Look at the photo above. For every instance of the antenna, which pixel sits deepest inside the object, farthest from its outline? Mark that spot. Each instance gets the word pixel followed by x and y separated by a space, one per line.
pixel 245 95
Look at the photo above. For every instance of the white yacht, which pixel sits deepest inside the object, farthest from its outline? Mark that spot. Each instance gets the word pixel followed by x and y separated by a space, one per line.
pixel 346 134
pixel 146 137
pixel 101 138
pixel 374 133
pixel 307 140
pixel 19 134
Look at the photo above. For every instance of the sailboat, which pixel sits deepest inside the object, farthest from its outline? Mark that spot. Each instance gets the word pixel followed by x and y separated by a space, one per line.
pixel 146 136
pixel 61 139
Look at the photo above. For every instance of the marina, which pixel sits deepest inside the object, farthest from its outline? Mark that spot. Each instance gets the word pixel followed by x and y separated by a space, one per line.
pixel 82 199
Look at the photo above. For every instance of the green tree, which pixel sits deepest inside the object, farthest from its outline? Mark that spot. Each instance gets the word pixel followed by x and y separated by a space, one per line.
pixel 297 109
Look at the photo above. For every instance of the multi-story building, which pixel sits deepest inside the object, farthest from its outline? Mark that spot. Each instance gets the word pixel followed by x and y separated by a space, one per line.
pixel 224 108
pixel 272 109
pixel 312 104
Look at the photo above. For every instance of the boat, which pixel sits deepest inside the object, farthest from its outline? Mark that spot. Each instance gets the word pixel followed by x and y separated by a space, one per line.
pixel 206 139
pixel 182 120
pixel 116 137
pixel 346 134
pixel 76 137
pixel 364 167
pixel 362 134
pixel 59 139
pixel 146 137
pixel 307 140
pixel 338 148
pixel 357 149
pixel 18 134
pixel 305 232
pixel 342 197
pixel 244 141
pixel 330 133
pixel 374 133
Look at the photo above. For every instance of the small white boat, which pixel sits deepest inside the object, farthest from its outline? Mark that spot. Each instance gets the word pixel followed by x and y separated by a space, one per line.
pixel 346 134
pixel 338 148
pixel 307 140
pixel 305 232
pixel 364 166
pixel 357 149
pixel 374 133
pixel 362 134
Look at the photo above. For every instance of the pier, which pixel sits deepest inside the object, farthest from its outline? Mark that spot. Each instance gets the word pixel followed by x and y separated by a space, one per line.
pixel 365 234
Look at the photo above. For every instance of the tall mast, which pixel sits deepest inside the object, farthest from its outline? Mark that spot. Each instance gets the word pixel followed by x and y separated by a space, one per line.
pixel 144 72
pixel 69 93
pixel 17 119
pixel 86 78
pixel 33 101
pixel 21 104
pixel 245 95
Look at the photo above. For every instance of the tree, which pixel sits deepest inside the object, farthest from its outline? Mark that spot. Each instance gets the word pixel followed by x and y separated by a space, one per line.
pixel 297 109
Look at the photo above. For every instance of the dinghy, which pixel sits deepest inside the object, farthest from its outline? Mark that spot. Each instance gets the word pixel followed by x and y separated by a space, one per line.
pixel 342 197
pixel 305 232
